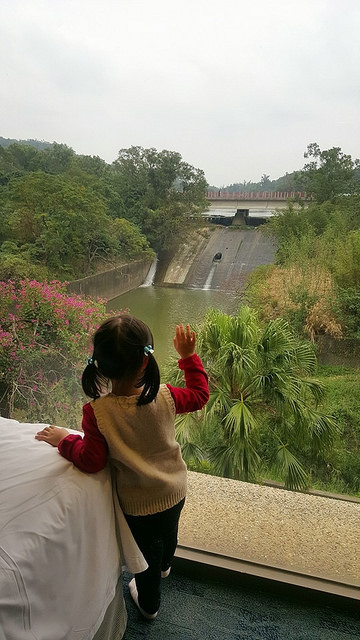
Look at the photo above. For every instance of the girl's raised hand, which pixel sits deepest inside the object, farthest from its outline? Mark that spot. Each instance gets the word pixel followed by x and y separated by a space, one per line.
pixel 184 341
pixel 52 435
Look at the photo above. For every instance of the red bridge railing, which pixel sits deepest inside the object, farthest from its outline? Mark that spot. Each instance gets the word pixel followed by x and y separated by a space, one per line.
pixel 254 195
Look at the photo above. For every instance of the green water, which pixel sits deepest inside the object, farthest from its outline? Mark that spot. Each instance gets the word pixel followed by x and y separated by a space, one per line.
pixel 163 308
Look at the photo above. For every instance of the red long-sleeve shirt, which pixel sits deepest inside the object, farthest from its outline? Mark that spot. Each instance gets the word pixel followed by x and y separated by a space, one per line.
pixel 89 453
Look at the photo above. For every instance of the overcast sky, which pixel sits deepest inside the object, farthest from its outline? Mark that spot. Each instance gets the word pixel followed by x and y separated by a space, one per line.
pixel 238 88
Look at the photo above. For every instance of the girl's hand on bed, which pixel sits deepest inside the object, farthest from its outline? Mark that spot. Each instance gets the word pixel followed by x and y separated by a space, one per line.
pixel 52 435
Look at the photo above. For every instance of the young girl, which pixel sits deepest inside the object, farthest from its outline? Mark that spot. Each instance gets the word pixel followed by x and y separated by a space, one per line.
pixel 133 428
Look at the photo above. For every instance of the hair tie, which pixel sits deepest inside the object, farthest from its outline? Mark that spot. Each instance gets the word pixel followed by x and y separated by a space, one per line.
pixel 148 349
pixel 90 360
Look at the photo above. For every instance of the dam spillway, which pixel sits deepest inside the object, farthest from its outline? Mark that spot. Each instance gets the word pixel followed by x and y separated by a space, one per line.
pixel 193 266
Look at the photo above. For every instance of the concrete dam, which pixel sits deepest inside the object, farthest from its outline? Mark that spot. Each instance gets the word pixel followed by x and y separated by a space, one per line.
pixel 191 267
pixel 223 260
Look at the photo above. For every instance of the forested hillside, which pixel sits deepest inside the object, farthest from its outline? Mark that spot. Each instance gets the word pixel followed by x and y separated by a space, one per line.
pixel 65 215
pixel 38 144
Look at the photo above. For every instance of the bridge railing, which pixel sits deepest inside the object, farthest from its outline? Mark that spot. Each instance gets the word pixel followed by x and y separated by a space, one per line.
pixel 254 195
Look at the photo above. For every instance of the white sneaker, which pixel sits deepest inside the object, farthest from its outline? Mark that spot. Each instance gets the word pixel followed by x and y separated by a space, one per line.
pixel 165 574
pixel 134 595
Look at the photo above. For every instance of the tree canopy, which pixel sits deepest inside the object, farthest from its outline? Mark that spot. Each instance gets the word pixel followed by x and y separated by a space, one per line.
pixel 158 191
pixel 65 215
pixel 328 173
pixel 59 227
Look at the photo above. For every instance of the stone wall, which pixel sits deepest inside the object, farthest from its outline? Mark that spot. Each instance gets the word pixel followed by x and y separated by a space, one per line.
pixel 112 283
pixel 345 352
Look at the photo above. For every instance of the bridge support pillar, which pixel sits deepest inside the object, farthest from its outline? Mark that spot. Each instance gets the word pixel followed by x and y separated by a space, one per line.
pixel 240 216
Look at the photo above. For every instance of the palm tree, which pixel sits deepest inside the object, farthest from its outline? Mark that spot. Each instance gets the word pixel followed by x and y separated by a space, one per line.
pixel 265 181
pixel 261 390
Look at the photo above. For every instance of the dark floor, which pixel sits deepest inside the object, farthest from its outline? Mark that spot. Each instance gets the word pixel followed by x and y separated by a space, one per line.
pixel 204 603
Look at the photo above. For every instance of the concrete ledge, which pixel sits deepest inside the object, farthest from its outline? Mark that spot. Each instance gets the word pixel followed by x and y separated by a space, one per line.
pixel 313 492
pixel 292 537
pixel 267 572
pixel 114 282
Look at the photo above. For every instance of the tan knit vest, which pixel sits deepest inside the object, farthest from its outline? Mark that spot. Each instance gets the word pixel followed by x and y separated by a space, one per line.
pixel 150 472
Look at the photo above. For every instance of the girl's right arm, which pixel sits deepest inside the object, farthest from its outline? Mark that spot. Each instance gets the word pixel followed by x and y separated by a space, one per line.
pixel 196 392
pixel 88 453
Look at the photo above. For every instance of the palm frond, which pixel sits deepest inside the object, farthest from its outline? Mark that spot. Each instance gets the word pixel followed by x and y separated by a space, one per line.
pixel 277 338
pixel 239 422
pixel 243 359
pixel 257 385
pixel 219 402
pixel 258 375
pixel 211 337
pixel 186 427
pixel 192 452
pixel 234 461
pixel 244 328
pixel 305 357
pixel 315 387
pixel 323 430
pixel 295 475
pixel 281 347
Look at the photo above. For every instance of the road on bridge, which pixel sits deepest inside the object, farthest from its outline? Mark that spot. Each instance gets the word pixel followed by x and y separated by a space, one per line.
pixel 242 251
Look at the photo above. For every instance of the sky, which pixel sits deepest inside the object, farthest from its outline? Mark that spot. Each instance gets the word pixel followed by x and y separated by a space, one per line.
pixel 238 88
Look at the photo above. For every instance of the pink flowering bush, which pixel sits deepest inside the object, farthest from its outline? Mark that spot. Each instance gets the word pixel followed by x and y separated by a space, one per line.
pixel 45 338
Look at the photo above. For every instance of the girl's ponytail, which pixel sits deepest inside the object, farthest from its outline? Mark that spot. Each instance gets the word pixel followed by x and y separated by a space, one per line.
pixel 150 379
pixel 92 380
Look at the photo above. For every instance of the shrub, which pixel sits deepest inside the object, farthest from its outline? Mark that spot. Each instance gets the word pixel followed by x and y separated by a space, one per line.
pixel 302 295
pixel 44 339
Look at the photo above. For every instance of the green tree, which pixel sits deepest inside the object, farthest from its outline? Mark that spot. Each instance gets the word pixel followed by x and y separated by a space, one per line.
pixel 18 159
pixel 57 158
pixel 23 157
pixel 60 220
pixel 17 263
pixel 262 390
pixel 127 241
pixel 90 165
pixel 265 182
pixel 323 239
pixel 65 227
pixel 156 188
pixel 346 260
pixel 328 173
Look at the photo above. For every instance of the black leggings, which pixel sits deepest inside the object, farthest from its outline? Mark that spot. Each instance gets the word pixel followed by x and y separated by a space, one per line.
pixel 156 536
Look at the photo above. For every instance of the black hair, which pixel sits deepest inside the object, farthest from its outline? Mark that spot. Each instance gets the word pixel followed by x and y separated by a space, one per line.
pixel 119 354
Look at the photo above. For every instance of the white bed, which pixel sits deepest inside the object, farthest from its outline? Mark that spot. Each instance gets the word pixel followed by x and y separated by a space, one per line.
pixel 59 557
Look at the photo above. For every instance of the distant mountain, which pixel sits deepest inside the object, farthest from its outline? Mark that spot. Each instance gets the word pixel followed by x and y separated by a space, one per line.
pixel 38 144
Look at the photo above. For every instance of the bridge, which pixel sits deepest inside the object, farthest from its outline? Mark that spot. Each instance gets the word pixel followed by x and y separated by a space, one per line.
pixel 255 196
pixel 251 207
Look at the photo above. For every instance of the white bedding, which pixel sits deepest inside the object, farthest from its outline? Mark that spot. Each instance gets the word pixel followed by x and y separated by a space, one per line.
pixel 59 558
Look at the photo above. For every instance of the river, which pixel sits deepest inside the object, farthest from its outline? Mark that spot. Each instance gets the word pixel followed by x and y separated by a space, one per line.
pixel 164 307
